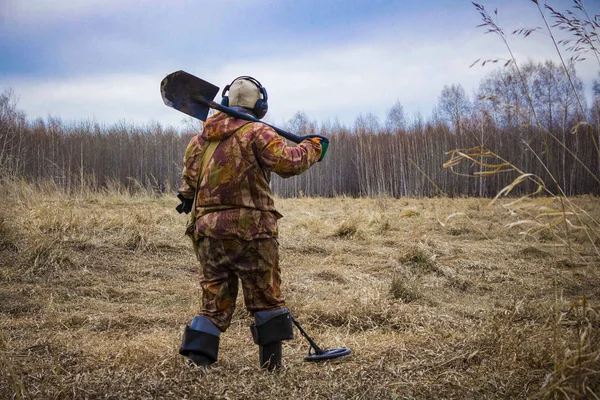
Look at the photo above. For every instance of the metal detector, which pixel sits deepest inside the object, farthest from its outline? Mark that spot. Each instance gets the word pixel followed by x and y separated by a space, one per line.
pixel 315 353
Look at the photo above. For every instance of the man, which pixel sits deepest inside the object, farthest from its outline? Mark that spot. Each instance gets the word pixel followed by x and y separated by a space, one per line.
pixel 236 222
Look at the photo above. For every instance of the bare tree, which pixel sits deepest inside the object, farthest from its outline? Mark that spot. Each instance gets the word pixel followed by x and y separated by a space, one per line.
pixel 12 124
pixel 455 105
pixel 396 121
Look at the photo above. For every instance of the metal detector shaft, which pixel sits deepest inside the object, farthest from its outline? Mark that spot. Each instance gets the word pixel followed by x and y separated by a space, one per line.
pixel 318 350
pixel 230 111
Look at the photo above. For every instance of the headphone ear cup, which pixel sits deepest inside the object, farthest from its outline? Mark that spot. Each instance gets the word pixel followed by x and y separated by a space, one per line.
pixel 225 99
pixel 260 108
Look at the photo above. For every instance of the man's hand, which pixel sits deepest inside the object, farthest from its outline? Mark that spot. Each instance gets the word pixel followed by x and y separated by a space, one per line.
pixel 324 145
pixel 185 206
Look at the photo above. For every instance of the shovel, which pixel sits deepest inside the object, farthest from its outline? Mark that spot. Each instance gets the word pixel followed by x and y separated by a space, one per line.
pixel 194 96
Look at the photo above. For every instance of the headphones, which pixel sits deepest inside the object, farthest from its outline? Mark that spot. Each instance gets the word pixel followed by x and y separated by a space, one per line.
pixel 260 107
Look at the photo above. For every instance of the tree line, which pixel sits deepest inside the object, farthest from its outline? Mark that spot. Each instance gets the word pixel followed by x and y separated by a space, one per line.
pixel 540 122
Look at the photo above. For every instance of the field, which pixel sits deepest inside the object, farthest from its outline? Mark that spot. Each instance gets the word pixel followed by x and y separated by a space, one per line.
pixel 95 290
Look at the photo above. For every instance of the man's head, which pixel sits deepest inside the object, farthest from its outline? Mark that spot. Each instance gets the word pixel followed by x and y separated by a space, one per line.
pixel 246 92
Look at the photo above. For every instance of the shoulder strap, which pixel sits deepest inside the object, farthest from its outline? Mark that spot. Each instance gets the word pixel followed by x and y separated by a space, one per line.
pixel 209 150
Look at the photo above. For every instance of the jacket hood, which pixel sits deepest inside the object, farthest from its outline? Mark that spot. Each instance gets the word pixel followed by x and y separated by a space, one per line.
pixel 220 126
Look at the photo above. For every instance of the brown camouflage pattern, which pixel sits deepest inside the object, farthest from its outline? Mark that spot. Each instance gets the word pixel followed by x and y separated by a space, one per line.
pixel 234 198
pixel 255 262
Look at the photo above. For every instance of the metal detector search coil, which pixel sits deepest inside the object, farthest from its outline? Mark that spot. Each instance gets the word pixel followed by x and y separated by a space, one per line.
pixel 315 353
pixel 327 354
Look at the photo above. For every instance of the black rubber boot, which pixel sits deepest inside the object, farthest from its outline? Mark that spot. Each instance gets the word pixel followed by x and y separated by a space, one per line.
pixel 269 330
pixel 198 360
pixel 270 356
pixel 200 347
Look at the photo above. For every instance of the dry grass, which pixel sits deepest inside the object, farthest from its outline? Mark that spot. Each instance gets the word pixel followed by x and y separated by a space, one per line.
pixel 553 216
pixel 95 291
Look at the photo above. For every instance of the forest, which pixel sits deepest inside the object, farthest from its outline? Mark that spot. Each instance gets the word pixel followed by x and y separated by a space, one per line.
pixel 536 119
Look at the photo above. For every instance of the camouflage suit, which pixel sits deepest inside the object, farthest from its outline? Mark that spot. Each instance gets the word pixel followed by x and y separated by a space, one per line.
pixel 236 219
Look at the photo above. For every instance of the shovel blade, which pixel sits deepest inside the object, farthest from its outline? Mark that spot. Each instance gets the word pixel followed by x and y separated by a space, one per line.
pixel 178 89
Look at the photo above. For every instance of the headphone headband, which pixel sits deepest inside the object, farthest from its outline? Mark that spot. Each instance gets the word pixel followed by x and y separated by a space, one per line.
pixel 260 87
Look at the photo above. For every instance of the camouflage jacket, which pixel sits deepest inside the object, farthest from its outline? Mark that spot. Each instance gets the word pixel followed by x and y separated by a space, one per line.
pixel 234 198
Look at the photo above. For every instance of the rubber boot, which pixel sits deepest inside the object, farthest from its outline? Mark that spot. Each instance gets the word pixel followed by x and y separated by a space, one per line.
pixel 199 360
pixel 200 345
pixel 270 356
pixel 269 329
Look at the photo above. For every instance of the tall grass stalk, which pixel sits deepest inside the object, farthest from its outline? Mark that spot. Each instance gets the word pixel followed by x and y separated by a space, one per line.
pixel 476 155
pixel 576 371
pixel 493 27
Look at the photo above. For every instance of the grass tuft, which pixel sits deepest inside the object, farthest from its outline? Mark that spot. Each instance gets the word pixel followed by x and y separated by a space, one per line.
pixel 421 259
pixel 407 290
pixel 408 212
pixel 47 257
pixel 534 252
pixel 347 229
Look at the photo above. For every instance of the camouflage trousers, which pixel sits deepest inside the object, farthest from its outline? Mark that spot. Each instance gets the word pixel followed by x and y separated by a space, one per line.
pixel 254 262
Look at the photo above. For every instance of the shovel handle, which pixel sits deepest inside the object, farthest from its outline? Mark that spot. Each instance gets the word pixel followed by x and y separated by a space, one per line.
pixel 230 111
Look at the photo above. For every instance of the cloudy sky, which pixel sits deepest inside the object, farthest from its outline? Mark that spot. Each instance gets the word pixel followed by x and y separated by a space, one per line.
pixel 103 60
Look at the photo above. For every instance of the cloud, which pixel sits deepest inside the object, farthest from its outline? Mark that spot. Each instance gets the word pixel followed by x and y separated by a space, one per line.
pixel 46 10
pixel 365 73
pixel 103 98
pixel 363 77
pixel 326 83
